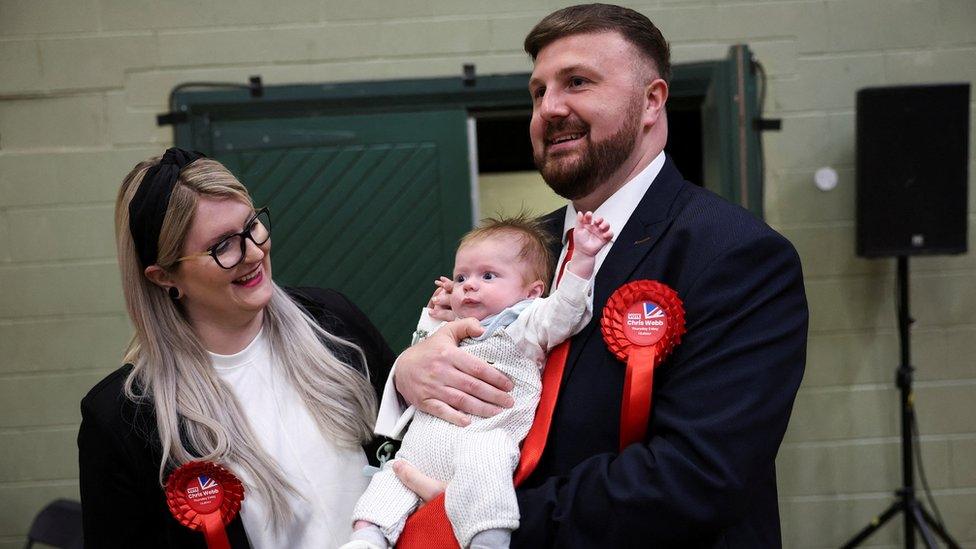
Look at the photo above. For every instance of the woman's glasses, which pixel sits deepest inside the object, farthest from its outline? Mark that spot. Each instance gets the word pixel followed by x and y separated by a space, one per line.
pixel 230 251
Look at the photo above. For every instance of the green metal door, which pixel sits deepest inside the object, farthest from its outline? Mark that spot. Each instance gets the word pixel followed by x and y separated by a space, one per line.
pixel 371 205
pixel 730 137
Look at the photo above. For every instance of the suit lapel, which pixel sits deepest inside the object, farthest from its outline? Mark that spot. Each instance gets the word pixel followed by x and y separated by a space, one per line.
pixel 553 224
pixel 634 242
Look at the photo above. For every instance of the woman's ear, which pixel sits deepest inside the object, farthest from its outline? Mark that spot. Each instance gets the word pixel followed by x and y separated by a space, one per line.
pixel 160 277
pixel 536 289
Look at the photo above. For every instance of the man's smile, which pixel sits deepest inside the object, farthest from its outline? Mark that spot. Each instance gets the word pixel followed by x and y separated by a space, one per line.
pixel 563 141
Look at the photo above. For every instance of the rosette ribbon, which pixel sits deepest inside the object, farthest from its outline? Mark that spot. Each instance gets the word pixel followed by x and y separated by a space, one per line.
pixel 642 323
pixel 204 496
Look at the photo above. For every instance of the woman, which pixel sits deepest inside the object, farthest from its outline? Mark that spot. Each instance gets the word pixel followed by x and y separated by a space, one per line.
pixel 224 366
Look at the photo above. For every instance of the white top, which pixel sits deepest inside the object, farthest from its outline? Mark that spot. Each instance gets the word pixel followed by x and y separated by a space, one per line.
pixel 545 323
pixel 617 209
pixel 328 479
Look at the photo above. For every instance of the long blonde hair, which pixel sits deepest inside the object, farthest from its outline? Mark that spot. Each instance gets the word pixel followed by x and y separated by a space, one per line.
pixel 197 415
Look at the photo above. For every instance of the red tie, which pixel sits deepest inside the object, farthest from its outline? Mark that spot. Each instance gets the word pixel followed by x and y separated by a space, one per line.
pixel 552 377
pixel 569 255
pixel 428 527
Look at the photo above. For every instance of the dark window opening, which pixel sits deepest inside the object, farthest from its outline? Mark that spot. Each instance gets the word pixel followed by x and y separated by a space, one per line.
pixel 685 136
pixel 503 142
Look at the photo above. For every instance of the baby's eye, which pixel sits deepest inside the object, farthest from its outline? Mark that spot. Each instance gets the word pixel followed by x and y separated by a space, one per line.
pixel 459 278
pixel 488 276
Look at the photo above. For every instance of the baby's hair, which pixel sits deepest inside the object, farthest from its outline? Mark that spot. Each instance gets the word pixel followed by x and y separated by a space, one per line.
pixel 536 242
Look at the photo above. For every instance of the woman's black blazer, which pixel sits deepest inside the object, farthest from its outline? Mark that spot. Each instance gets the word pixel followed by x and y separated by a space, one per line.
pixel 123 504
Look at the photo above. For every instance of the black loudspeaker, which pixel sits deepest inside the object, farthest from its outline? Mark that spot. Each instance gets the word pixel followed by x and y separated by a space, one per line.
pixel 912 170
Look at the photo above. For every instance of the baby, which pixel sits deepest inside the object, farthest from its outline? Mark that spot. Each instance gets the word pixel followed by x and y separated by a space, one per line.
pixel 500 275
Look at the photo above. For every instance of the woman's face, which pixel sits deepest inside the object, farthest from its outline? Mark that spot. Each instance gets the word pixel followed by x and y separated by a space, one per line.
pixel 212 294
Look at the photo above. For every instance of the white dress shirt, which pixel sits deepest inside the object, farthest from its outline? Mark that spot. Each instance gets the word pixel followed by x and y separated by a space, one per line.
pixel 616 209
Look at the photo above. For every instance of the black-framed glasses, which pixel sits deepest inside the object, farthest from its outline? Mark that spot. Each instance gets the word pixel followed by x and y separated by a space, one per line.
pixel 231 250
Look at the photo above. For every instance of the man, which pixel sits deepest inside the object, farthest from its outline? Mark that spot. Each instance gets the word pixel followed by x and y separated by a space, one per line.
pixel 704 474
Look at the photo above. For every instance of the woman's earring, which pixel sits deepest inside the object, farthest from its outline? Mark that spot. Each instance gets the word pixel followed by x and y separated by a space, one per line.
pixel 174 293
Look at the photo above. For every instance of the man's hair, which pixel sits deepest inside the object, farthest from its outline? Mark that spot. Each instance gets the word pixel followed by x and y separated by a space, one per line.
pixel 536 251
pixel 592 18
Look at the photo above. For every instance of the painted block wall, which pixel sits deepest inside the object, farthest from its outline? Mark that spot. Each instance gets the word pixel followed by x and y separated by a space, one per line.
pixel 82 81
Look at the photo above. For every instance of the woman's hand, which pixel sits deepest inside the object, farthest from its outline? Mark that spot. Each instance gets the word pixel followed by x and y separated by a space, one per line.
pixel 425 487
pixel 442 380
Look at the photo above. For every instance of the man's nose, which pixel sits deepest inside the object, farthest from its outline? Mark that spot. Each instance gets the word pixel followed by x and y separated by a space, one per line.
pixel 552 106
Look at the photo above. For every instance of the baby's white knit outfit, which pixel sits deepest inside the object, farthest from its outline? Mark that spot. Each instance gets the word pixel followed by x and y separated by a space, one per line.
pixel 478 461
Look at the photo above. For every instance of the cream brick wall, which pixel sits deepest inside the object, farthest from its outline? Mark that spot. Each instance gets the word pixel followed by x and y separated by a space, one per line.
pixel 81 82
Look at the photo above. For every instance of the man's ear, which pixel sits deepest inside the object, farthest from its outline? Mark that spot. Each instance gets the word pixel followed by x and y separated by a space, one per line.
pixel 160 277
pixel 536 289
pixel 655 97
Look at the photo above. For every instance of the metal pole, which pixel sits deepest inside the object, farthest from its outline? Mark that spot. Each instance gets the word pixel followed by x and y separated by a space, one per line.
pixel 904 382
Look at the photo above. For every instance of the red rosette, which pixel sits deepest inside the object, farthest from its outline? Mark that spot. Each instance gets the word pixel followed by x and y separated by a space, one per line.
pixel 642 323
pixel 204 496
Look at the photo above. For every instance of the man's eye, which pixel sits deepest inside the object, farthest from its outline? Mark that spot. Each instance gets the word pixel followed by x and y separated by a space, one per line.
pixel 538 93
pixel 577 81
pixel 488 276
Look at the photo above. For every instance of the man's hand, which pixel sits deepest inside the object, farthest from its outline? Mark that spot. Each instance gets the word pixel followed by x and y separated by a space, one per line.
pixel 442 380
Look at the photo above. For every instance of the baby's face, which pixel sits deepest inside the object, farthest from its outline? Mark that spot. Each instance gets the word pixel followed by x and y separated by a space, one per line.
pixel 488 277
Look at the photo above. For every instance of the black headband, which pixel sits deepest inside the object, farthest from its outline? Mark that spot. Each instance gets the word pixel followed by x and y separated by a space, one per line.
pixel 148 207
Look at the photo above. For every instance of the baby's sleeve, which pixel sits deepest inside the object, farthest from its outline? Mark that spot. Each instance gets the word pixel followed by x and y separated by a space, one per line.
pixel 426 325
pixel 549 321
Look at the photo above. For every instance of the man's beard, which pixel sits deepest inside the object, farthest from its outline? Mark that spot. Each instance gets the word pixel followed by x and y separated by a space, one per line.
pixel 594 163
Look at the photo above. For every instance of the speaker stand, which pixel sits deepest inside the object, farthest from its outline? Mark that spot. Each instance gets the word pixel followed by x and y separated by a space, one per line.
pixel 916 516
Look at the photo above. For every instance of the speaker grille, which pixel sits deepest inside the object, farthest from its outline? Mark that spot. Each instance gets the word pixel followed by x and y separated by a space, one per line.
pixel 912 170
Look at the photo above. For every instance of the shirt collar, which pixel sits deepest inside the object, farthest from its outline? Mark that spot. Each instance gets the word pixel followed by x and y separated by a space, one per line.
pixel 621 205
pixel 255 351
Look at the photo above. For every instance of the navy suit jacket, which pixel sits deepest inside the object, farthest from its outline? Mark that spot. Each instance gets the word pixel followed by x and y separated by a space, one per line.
pixel 704 475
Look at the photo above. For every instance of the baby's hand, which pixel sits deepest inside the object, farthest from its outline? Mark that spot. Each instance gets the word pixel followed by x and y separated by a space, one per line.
pixel 592 233
pixel 440 302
